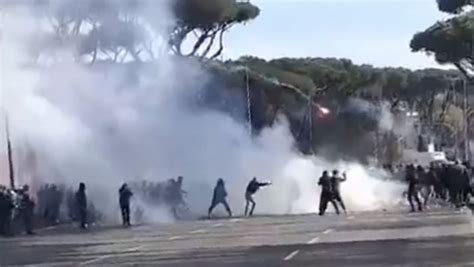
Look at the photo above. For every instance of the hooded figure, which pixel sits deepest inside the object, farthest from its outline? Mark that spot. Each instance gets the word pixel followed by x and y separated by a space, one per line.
pixel 81 205
pixel 252 188
pixel 124 200
pixel 219 197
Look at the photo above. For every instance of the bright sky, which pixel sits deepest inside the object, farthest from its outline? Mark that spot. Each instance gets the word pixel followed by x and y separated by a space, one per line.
pixel 376 32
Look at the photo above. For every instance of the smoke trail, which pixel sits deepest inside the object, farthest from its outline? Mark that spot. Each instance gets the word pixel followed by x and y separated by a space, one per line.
pixel 109 123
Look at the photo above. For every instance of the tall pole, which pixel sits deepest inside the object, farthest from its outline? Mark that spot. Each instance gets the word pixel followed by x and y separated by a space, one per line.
pixel 466 123
pixel 310 117
pixel 9 154
pixel 249 102
pixel 376 151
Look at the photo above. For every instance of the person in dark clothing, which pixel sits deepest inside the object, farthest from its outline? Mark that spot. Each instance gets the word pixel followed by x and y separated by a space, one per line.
pixel 336 181
pixel 26 209
pixel 219 197
pixel 54 204
pixel 124 200
pixel 326 194
pixel 411 177
pixel 175 196
pixel 6 208
pixel 81 205
pixel 252 188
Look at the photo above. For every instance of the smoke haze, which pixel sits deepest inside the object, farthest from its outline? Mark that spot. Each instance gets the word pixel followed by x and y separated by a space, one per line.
pixel 110 123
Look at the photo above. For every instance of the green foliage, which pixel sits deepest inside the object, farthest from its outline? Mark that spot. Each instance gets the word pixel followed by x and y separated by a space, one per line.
pixel 207 20
pixel 113 29
pixel 277 74
pixel 340 78
pixel 452 6
pixel 246 11
pixel 451 40
pixel 207 14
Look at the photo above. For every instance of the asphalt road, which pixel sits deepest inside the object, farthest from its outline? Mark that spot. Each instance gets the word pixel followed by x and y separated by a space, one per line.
pixel 437 238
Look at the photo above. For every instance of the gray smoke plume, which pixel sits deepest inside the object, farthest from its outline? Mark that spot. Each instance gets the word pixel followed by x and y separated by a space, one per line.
pixel 380 114
pixel 109 123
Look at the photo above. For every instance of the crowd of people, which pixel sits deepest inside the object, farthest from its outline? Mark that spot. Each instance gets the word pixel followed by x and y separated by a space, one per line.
pixel 16 207
pixel 169 193
pixel 59 204
pixel 441 181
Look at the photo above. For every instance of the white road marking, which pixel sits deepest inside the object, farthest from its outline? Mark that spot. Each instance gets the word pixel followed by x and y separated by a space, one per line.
pixel 200 231
pixel 291 255
pixel 235 220
pixel 327 231
pixel 351 217
pixel 95 260
pixel 135 248
pixel 103 257
pixel 217 225
pixel 313 241
pixel 175 237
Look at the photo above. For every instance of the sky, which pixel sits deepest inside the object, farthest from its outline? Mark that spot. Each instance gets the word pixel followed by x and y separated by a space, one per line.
pixel 376 32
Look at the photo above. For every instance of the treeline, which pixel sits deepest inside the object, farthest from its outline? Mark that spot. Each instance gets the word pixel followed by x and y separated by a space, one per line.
pixel 285 85
pixel 138 30
pixel 330 79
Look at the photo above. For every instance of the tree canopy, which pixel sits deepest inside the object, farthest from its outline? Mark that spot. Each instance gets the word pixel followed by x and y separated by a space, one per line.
pixel 115 30
pixel 451 40
pixel 207 19
pixel 331 80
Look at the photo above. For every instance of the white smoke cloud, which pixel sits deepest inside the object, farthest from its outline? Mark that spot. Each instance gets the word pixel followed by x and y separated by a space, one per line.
pixel 110 123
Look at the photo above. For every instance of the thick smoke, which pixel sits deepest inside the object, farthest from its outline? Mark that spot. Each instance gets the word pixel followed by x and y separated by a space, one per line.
pixel 378 113
pixel 110 123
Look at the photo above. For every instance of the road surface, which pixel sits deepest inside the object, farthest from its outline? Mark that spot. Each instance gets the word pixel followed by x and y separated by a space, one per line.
pixel 436 238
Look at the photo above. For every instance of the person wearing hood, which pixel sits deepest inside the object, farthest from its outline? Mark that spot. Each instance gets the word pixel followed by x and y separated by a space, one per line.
pixel 124 200
pixel 81 204
pixel 219 197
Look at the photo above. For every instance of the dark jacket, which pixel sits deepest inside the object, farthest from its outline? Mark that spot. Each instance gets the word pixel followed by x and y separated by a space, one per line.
pixel 253 186
pixel 411 174
pixel 325 183
pixel 219 193
pixel 26 204
pixel 81 199
pixel 124 196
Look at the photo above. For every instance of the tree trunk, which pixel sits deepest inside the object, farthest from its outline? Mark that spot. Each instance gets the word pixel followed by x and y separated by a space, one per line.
pixel 221 40
pixel 199 43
